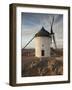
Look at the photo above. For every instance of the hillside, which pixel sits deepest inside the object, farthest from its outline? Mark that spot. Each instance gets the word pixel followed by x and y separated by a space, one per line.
pixel 33 66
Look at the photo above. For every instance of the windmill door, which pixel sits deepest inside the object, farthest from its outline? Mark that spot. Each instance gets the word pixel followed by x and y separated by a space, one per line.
pixel 42 52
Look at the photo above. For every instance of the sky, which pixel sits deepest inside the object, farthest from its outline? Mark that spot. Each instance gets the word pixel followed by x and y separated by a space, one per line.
pixel 31 23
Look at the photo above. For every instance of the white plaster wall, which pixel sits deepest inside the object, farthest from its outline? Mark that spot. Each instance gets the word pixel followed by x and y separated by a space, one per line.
pixel 42 43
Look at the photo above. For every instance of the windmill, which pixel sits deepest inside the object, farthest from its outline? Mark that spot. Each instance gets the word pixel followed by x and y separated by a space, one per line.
pixel 43 40
pixel 53 34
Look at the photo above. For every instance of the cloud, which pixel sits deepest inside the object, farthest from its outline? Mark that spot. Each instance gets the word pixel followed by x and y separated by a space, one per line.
pixel 32 23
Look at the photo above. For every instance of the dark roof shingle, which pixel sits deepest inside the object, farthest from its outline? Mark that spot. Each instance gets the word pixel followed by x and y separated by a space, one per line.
pixel 43 32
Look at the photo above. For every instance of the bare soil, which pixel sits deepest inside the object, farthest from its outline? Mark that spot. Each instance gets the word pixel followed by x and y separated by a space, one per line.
pixel 33 66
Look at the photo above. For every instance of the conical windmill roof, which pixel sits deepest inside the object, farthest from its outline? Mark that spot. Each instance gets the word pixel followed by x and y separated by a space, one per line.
pixel 43 33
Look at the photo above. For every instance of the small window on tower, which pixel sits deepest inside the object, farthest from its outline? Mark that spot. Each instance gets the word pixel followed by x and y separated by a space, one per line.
pixel 42 52
pixel 42 45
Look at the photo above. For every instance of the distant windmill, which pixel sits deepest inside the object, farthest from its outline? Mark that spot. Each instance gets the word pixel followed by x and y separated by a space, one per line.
pixel 53 34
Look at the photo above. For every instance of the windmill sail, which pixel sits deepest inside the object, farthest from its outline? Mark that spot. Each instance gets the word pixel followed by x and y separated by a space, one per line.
pixel 52 26
pixel 52 33
pixel 29 42
pixel 54 41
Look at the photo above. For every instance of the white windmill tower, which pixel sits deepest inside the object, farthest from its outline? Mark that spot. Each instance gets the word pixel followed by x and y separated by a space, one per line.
pixel 43 41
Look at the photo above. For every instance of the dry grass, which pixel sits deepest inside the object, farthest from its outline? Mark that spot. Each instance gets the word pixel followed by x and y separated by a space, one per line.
pixel 33 66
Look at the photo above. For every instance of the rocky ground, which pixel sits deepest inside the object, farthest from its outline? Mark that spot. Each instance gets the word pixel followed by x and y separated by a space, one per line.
pixel 33 66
